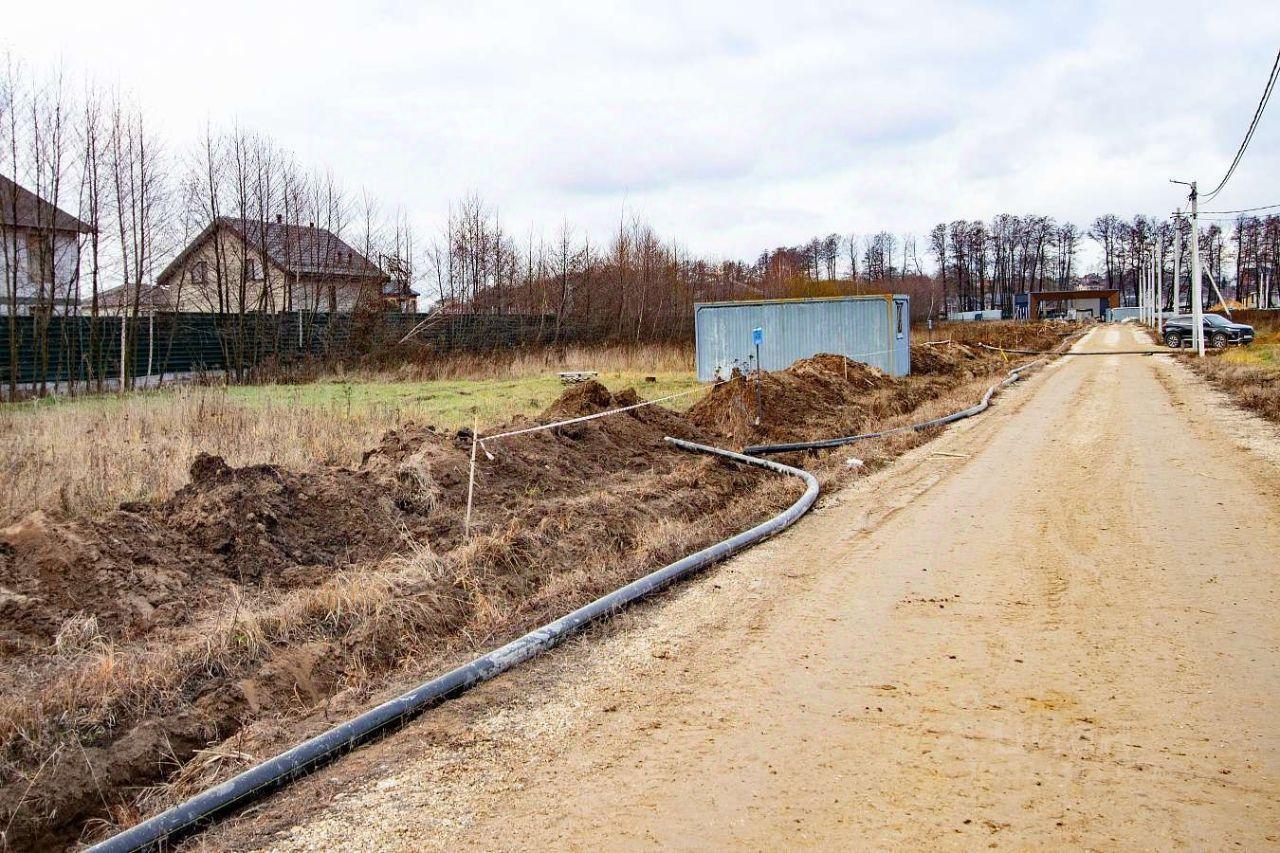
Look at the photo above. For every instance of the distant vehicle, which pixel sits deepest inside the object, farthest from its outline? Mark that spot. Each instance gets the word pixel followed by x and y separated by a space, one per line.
pixel 1219 332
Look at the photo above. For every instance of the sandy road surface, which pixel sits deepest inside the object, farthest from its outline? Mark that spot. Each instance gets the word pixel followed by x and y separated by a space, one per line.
pixel 1058 624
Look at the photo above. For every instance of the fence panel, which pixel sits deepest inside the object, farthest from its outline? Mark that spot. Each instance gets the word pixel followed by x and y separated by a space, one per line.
pixel 51 350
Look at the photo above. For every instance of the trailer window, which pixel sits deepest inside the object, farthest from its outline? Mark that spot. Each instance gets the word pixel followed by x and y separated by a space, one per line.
pixel 900 317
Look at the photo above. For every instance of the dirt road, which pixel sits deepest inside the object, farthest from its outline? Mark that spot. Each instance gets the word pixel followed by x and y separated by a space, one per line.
pixel 1058 624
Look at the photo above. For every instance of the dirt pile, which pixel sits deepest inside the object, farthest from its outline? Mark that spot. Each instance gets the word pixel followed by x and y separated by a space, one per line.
pixel 1011 335
pixel 946 358
pixel 819 396
pixel 151 565
pixel 829 395
pixel 518 472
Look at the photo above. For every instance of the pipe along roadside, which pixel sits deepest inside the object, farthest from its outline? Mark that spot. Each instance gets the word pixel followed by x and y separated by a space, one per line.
pixel 1014 375
pixel 277 772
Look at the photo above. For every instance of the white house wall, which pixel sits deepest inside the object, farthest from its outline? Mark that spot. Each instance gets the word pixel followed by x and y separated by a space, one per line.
pixel 66 256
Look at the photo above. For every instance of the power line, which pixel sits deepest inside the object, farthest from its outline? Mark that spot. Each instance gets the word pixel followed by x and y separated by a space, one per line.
pixel 1231 220
pixel 1243 209
pixel 1244 144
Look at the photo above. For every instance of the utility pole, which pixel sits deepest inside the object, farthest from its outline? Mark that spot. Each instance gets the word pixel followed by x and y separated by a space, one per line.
pixel 1146 289
pixel 1151 287
pixel 1142 288
pixel 1159 260
pixel 1177 259
pixel 1197 320
pixel 1142 295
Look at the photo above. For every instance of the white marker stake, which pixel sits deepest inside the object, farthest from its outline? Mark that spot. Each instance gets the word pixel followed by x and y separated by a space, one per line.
pixel 471 478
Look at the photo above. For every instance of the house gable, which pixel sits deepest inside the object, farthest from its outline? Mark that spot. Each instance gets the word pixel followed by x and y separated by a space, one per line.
pixel 21 208
pixel 250 268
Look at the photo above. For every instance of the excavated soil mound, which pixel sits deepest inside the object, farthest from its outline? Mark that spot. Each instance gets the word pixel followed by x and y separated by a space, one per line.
pixel 147 564
pixel 828 395
pixel 263 519
pixel 431 469
pixel 946 359
pixel 816 396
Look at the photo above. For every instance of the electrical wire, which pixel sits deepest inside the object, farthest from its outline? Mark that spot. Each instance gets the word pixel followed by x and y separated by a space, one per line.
pixel 1242 210
pixel 1253 125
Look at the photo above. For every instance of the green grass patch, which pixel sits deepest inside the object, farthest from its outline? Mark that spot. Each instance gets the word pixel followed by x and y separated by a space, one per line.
pixel 1264 352
pixel 453 403
pixel 448 404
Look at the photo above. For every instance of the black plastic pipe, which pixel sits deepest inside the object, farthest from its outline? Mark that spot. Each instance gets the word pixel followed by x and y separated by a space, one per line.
pixel 275 773
pixel 821 444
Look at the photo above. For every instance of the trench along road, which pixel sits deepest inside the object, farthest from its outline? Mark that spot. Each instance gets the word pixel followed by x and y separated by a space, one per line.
pixel 1057 624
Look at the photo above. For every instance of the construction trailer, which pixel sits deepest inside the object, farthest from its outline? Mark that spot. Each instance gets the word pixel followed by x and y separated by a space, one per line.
pixel 730 336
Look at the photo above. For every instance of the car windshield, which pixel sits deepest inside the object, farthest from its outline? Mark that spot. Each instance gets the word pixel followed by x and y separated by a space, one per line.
pixel 1215 320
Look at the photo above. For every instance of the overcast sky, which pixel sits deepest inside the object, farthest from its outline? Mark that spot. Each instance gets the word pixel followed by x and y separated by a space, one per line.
pixel 731 126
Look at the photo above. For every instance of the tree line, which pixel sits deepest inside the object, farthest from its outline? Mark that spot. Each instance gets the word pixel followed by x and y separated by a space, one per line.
pixel 636 285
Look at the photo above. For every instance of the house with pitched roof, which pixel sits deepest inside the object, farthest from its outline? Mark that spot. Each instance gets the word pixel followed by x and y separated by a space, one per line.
pixel 39 254
pixel 242 265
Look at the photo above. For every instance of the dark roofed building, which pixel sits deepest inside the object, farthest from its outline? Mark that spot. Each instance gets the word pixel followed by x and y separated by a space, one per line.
pixel 123 300
pixel 21 207
pixel 238 265
pixel 39 253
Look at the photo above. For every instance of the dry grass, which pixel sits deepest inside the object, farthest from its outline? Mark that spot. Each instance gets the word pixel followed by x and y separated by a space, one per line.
pixel 98 683
pixel 86 455
pixel 1012 334
pixel 1254 386
pixel 1250 375
pixel 519 363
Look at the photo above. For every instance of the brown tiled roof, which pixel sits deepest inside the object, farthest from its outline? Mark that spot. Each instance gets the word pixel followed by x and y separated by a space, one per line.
pixel 34 212
pixel 302 250
pixel 152 296
pixel 398 289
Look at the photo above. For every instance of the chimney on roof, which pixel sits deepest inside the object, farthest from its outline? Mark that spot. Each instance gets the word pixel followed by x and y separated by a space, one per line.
pixel 279 219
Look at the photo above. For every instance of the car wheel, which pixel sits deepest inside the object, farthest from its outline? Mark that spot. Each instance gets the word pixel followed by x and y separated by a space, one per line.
pixel 1172 341
pixel 1219 340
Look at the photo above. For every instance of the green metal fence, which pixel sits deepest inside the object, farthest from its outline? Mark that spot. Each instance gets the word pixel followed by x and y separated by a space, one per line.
pixel 35 350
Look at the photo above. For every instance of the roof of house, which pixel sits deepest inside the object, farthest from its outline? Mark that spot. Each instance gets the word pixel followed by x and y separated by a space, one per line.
pixel 393 289
pixel 302 250
pixel 34 212
pixel 151 296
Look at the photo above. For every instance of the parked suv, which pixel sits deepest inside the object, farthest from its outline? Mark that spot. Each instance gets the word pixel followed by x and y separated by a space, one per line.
pixel 1219 332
